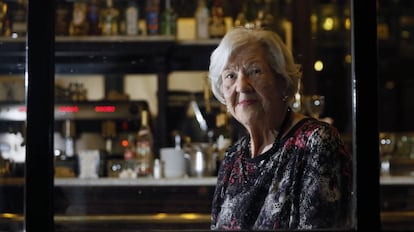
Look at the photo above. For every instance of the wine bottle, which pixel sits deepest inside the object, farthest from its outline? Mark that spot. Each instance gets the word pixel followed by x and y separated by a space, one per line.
pixel 109 19
pixel 5 24
pixel 131 18
pixel 19 22
pixel 202 20
pixel 144 147
pixel 93 17
pixel 168 20
pixel 151 16
pixel 79 24
pixel 217 26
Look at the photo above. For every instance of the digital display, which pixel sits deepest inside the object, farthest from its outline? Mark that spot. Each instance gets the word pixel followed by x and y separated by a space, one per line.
pixel 68 109
pixel 22 109
pixel 105 109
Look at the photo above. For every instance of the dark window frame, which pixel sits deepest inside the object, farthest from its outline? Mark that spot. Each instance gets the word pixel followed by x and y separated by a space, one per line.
pixel 39 181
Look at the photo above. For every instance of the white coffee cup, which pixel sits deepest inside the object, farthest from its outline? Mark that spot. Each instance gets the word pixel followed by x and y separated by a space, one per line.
pixel 173 162
pixel 89 163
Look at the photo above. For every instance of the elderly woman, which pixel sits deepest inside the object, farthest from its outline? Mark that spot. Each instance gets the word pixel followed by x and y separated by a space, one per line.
pixel 289 171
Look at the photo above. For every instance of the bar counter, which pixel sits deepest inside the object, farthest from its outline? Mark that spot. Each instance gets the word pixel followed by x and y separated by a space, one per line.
pixel 396 180
pixel 104 204
pixel 108 204
pixel 205 181
pixel 149 182
pixel 397 202
pixel 190 181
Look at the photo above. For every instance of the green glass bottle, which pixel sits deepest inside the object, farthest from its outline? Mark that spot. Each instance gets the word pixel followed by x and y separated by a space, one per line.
pixel 168 20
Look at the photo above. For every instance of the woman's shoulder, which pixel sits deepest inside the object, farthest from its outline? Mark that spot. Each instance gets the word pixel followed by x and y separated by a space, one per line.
pixel 308 127
pixel 310 123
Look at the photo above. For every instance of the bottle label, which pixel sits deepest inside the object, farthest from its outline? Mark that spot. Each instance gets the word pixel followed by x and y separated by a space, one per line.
pixel 131 20
pixel 202 20
pixel 144 158
pixel 79 14
pixel 152 23
pixel 143 148
pixel 129 154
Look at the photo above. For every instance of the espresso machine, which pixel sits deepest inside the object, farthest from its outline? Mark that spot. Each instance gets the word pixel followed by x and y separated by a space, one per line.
pixel 12 139
pixel 100 126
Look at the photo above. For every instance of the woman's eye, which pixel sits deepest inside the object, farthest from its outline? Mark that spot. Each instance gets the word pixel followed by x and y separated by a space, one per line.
pixel 228 75
pixel 254 71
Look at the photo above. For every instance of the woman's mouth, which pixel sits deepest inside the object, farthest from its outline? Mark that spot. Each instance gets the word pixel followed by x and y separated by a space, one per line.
pixel 246 102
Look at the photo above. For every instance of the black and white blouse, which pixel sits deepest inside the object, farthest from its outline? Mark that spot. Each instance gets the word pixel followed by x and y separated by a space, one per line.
pixel 305 182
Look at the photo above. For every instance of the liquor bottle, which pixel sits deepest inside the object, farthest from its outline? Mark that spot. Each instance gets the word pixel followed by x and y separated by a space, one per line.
pixel 67 161
pixel 223 131
pixel 202 20
pixel 62 18
pixel 79 24
pixel 5 24
pixel 128 141
pixel 19 23
pixel 129 150
pixel 158 169
pixel 69 134
pixel 168 20
pixel 151 16
pixel 241 19
pixel 109 134
pixel 109 19
pixel 131 18
pixel 93 17
pixel 223 136
pixel 217 26
pixel 250 9
pixel 144 147
pixel 130 153
pixel 264 18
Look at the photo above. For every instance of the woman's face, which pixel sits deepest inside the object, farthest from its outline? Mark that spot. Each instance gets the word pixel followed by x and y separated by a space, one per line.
pixel 252 91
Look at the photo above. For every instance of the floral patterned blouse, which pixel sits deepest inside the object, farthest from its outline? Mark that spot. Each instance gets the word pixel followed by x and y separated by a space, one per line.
pixel 305 182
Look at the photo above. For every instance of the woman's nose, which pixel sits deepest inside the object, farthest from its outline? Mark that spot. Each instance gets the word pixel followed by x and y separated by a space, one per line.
pixel 243 82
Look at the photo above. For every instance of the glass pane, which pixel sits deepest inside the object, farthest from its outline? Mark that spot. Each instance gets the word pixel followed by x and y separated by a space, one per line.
pixel 110 69
pixel 12 113
pixel 395 27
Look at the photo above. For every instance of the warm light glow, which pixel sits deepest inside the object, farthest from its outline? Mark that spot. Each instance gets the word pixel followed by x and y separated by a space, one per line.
pixel 405 34
pixel 389 85
pixel 348 58
pixel 348 23
pixel 296 104
pixel 160 216
pixel 9 215
pixel 105 109
pixel 68 109
pixel 189 216
pixel 124 143
pixel 328 24
pixel 22 109
pixel 385 141
pixel 314 18
pixel 318 66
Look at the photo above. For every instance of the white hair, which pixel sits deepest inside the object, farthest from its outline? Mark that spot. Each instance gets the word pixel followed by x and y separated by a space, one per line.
pixel 278 56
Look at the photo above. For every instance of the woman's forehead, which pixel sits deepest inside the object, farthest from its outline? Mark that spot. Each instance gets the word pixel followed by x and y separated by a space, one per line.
pixel 251 53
